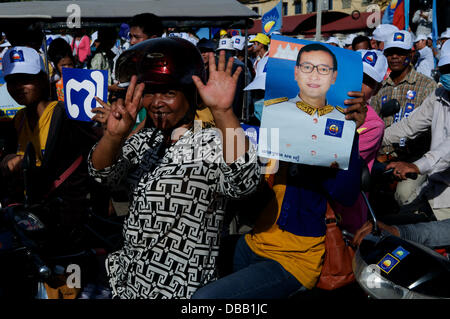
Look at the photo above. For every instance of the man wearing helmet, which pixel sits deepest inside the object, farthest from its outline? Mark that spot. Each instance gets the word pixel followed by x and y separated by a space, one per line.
pixel 178 173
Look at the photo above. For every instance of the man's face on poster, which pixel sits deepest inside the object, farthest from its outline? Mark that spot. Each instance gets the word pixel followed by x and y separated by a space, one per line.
pixel 316 83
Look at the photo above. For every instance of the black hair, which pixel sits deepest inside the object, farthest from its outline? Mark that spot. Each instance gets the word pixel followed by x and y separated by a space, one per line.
pixel 107 38
pixel 25 34
pixel 360 38
pixel 317 47
pixel 444 69
pixel 150 24
pixel 59 49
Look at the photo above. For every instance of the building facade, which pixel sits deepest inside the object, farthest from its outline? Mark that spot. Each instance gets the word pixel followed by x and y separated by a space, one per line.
pixel 293 7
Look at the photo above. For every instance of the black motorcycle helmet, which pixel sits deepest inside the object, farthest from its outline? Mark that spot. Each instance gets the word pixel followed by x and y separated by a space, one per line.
pixel 163 63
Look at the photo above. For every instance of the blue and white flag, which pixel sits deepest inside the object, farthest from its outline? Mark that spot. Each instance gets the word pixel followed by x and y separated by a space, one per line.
pixel 272 20
pixel 81 86
pixel 434 29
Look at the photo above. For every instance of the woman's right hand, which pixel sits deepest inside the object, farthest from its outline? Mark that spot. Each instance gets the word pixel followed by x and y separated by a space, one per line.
pixel 122 116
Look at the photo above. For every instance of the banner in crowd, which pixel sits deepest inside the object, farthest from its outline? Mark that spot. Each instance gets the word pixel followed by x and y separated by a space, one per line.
pixel 295 132
pixel 434 30
pixel 395 14
pixel 81 86
pixel 8 106
pixel 272 20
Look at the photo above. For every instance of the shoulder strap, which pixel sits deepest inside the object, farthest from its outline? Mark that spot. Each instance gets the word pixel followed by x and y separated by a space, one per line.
pixel 55 124
pixel 66 174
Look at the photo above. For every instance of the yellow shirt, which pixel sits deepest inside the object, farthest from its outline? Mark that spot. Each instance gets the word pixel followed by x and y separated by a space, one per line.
pixel 301 256
pixel 204 114
pixel 38 135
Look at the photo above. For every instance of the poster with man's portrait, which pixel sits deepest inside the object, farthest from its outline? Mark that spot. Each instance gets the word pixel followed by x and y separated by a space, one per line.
pixel 303 118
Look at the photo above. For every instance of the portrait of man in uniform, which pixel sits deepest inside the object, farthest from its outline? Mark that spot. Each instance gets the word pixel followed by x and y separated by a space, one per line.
pixel 311 131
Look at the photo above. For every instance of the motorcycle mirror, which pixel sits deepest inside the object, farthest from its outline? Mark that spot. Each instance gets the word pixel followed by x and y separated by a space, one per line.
pixel 365 187
pixel 389 108
pixel 365 176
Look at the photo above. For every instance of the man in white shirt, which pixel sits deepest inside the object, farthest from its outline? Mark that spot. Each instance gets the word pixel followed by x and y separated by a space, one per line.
pixel 425 62
pixel 434 112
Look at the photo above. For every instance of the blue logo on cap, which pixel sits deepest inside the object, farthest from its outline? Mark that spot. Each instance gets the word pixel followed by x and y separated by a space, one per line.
pixel 398 36
pixel 334 128
pixel 16 56
pixel 370 58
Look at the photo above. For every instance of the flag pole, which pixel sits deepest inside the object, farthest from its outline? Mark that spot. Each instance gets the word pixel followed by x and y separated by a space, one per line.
pixel 319 20
pixel 406 14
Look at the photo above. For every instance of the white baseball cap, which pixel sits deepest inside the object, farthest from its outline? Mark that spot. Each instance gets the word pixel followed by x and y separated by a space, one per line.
pixel 445 54
pixel 22 60
pixel 375 64
pixel 383 32
pixel 400 39
pixel 238 42
pixel 445 34
pixel 5 44
pixel 259 82
pixel 349 39
pixel 250 37
pixel 420 37
pixel 333 40
pixel 225 44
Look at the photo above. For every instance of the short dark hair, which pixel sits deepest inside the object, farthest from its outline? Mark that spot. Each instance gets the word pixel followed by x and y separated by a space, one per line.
pixel 149 23
pixel 317 47
pixel 359 39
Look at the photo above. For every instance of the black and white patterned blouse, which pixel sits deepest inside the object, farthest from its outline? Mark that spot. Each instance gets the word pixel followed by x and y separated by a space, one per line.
pixel 171 236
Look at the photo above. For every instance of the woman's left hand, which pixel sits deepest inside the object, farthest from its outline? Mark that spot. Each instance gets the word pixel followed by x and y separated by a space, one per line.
pixel 356 108
pixel 218 93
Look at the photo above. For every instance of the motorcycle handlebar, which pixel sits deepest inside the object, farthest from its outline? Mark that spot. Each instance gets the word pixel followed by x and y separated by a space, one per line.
pixel 43 270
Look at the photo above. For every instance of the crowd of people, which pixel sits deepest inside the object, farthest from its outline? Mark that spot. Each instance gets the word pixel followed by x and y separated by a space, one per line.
pixel 183 180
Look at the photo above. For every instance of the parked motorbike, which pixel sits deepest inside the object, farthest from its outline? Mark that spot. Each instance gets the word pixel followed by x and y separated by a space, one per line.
pixel 32 255
pixel 388 267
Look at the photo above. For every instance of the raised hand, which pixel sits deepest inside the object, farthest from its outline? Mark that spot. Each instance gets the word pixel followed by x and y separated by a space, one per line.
pixel 357 108
pixel 218 93
pixel 123 113
pixel 120 121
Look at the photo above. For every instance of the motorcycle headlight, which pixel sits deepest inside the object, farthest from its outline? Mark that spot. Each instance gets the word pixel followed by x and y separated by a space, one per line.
pixel 377 286
pixel 28 221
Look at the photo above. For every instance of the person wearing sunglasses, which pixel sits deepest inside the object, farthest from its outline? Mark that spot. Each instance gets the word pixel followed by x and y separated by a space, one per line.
pixel 409 88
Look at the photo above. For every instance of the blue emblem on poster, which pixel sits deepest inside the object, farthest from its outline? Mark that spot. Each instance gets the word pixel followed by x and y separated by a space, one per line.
pixel 400 252
pixel 81 86
pixel 334 128
pixel 388 263
pixel 411 95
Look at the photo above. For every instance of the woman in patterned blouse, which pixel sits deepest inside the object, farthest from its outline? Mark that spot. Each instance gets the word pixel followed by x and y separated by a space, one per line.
pixel 178 173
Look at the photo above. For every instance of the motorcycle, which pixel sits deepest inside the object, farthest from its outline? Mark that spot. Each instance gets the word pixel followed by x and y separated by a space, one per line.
pixel 33 259
pixel 388 267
